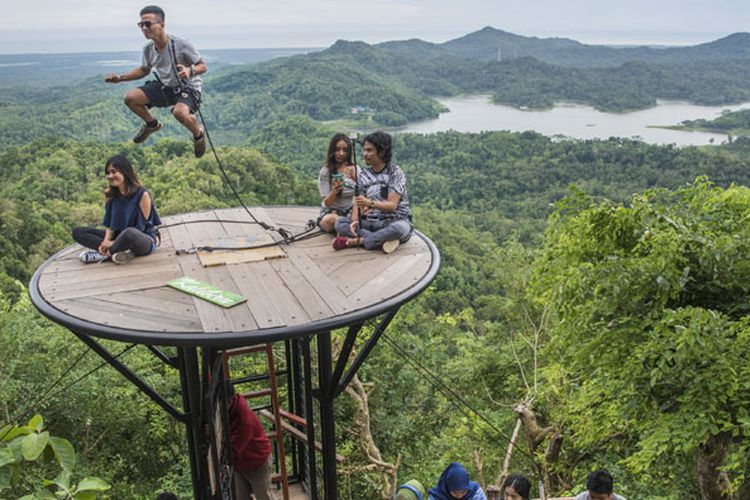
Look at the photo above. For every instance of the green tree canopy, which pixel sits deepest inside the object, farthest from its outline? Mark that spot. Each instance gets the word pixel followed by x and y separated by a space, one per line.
pixel 653 330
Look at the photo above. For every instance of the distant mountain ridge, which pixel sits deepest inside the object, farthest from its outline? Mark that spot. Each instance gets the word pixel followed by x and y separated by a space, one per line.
pixel 489 43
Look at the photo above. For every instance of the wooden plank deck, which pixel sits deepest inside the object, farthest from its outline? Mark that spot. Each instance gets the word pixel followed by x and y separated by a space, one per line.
pixel 312 283
pixel 296 492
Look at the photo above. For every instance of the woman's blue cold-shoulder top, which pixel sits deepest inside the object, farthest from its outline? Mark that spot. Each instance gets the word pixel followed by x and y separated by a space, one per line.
pixel 123 212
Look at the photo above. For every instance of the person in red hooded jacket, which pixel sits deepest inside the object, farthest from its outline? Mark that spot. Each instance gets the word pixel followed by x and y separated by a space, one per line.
pixel 251 450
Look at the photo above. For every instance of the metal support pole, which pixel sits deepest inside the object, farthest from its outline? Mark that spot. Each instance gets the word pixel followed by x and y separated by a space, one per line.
pixel 327 423
pixel 162 356
pixel 362 355
pixel 312 476
pixel 291 391
pixel 187 359
pixel 346 350
pixel 131 376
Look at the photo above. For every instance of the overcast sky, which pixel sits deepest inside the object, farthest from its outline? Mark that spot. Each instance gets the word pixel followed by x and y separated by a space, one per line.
pixel 109 25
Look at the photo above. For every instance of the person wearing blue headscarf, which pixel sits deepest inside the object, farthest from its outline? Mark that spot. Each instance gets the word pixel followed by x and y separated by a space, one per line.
pixel 454 484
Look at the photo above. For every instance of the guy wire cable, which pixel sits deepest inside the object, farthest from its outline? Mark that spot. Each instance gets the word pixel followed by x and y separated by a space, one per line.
pixel 451 394
pixel 46 394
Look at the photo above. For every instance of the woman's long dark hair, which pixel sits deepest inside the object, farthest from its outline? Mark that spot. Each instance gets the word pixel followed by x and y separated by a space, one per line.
pixel 331 155
pixel 520 484
pixel 122 165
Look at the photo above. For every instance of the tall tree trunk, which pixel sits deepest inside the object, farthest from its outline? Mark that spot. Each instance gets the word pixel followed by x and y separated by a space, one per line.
pixel 535 435
pixel 508 454
pixel 711 481
pixel 477 455
pixel 389 471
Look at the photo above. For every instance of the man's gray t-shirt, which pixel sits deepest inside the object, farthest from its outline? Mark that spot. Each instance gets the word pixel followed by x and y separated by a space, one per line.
pixel 585 496
pixel 185 54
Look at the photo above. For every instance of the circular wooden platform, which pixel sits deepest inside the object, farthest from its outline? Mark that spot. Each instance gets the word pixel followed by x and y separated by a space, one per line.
pixel 310 290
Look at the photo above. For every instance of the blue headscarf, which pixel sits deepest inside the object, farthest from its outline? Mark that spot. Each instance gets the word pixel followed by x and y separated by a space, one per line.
pixel 455 478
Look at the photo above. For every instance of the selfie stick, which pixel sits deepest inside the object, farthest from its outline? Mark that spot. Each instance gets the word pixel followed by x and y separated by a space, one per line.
pixel 353 136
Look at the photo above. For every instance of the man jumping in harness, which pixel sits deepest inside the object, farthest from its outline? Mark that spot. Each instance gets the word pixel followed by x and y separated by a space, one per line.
pixel 177 65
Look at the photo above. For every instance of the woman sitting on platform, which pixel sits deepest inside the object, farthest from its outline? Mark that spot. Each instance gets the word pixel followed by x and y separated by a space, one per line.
pixel 384 206
pixel 130 219
pixel 336 182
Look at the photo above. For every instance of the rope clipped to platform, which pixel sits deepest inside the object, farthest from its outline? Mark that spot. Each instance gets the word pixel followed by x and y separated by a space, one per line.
pixel 311 231
pixel 287 237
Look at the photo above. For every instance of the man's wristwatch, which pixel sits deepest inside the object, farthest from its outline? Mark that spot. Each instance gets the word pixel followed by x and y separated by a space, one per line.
pixel 192 70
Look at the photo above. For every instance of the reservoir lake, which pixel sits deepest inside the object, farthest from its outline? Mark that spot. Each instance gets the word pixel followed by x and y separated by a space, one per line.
pixel 476 113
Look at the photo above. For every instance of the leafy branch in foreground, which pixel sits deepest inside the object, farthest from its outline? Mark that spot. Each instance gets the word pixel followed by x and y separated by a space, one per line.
pixel 24 445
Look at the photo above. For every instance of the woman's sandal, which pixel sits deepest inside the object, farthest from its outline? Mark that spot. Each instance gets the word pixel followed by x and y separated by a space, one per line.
pixel 339 242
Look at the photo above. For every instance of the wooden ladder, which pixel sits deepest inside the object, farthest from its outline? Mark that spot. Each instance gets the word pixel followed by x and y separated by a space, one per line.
pixel 272 391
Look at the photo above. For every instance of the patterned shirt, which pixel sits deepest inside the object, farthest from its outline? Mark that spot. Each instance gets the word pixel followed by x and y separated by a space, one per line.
pixel 378 185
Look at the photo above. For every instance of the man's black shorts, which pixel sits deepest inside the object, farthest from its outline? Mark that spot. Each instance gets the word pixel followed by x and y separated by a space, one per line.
pixel 162 96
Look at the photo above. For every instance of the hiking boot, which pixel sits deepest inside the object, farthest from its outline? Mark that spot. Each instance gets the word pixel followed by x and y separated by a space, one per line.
pixel 91 257
pixel 123 257
pixel 199 145
pixel 390 246
pixel 145 131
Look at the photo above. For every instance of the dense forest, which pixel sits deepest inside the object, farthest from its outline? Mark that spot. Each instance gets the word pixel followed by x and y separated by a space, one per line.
pixel 594 292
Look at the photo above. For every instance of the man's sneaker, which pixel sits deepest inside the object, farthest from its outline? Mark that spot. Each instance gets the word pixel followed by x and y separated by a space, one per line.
pixel 123 257
pixel 91 257
pixel 145 131
pixel 199 145
pixel 390 246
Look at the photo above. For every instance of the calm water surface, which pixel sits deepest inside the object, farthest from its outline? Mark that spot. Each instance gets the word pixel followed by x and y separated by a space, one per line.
pixel 476 113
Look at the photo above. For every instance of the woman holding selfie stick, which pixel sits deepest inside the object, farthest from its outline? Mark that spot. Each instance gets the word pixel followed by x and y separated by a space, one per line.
pixel 336 182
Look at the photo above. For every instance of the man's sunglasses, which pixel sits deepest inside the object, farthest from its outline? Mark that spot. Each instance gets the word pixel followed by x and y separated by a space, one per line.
pixel 147 24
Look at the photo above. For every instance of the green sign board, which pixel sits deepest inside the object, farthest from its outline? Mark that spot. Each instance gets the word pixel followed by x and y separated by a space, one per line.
pixel 207 291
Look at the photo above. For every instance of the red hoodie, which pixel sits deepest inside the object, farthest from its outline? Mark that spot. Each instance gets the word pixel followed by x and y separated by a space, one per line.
pixel 250 446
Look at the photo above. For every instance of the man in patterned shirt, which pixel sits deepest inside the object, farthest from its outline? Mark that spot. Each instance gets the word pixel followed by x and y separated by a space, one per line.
pixel 383 202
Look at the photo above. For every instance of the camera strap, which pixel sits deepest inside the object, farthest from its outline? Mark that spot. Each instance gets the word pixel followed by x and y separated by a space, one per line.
pixel 185 86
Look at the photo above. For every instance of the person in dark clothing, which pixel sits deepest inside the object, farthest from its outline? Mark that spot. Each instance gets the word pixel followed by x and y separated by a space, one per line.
pixel 251 450
pixel 130 219
pixel 454 484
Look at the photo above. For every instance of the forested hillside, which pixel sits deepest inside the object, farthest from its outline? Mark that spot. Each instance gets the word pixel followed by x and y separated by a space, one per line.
pixel 388 87
pixel 734 123
pixel 483 45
